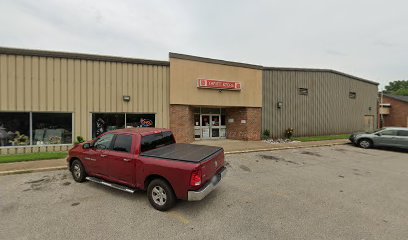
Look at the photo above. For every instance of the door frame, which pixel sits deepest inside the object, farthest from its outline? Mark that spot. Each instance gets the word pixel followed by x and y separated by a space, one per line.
pixel 210 127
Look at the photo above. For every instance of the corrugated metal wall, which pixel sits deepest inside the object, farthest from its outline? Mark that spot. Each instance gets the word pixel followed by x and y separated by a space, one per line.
pixel 48 84
pixel 326 110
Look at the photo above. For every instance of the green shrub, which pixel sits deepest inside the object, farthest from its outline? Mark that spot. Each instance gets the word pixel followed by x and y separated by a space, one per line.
pixel 79 140
pixel 266 134
pixel 289 133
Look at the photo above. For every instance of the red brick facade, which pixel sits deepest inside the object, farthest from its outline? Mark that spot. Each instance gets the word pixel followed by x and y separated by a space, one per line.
pixel 244 123
pixel 182 123
pixel 398 116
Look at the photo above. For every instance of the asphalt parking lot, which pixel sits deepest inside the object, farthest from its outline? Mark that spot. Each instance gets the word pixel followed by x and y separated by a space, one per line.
pixel 339 192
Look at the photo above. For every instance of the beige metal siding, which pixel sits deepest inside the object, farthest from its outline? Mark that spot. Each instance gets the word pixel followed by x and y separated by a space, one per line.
pixel 48 84
pixel 326 110
pixel 185 73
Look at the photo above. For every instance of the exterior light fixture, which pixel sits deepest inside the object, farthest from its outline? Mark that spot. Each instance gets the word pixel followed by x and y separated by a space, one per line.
pixel 126 98
pixel 369 108
pixel 279 105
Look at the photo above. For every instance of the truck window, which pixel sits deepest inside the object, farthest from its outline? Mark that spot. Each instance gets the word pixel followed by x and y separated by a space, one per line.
pixel 123 143
pixel 104 142
pixel 154 141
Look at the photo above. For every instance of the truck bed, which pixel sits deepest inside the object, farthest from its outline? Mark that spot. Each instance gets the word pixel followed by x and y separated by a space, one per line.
pixel 183 152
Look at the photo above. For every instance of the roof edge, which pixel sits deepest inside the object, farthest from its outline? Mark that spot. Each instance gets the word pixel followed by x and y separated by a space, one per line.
pixel 320 70
pixel 396 97
pixel 246 65
pixel 81 56
pixel 212 60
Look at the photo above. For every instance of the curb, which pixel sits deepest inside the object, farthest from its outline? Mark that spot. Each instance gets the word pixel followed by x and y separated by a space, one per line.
pixel 283 148
pixel 32 170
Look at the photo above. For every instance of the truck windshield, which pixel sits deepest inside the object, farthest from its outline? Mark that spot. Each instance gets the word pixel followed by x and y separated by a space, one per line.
pixel 157 140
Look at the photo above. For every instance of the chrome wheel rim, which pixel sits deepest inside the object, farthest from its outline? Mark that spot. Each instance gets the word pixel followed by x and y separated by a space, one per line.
pixel 364 144
pixel 159 196
pixel 76 171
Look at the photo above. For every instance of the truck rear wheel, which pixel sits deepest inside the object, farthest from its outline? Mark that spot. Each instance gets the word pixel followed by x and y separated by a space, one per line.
pixel 161 195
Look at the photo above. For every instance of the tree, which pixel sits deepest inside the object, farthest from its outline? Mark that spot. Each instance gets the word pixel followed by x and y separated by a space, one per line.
pixel 402 92
pixel 397 88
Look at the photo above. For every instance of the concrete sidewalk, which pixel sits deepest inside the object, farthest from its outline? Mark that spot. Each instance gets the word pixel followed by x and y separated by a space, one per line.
pixel 236 146
pixel 230 147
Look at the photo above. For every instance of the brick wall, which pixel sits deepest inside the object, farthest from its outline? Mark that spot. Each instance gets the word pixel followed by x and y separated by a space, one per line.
pixel 182 123
pixel 398 113
pixel 250 129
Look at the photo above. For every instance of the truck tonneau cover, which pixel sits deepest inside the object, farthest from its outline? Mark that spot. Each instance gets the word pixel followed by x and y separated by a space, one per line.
pixel 183 152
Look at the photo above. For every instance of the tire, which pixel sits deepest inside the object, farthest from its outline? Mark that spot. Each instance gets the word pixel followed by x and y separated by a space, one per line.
pixel 161 195
pixel 78 171
pixel 365 143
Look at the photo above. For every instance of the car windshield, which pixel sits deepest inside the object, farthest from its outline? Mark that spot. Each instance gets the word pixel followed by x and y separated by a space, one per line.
pixel 376 130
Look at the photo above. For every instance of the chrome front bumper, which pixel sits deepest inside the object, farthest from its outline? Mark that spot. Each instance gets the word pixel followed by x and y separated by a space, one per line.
pixel 209 187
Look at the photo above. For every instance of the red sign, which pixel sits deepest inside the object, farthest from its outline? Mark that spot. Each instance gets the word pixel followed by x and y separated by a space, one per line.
pixel 217 84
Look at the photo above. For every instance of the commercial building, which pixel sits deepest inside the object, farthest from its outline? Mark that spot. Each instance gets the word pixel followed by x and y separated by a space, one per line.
pixel 47 99
pixel 393 111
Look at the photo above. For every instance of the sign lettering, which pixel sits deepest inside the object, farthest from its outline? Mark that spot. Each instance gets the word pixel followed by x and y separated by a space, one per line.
pixel 217 84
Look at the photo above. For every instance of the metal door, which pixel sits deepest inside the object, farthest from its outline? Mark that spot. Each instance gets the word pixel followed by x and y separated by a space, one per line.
pixel 369 123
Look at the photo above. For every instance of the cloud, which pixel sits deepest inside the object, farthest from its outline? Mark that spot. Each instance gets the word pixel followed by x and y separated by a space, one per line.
pixel 361 37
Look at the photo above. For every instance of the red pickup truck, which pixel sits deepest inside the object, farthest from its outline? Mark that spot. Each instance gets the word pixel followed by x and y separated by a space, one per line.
pixel 149 159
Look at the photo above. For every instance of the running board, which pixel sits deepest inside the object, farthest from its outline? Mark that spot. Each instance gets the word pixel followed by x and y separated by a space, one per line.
pixel 109 184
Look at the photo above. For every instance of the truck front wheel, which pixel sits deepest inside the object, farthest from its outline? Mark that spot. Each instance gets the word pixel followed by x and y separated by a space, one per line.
pixel 161 195
pixel 78 171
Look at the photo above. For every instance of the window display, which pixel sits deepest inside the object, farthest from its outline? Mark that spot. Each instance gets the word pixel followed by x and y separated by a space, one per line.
pixel 14 129
pixel 46 128
pixel 140 120
pixel 104 122
pixel 52 128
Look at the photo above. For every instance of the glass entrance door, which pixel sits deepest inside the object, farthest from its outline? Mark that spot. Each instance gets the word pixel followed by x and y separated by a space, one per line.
pixel 210 126
pixel 205 126
pixel 215 126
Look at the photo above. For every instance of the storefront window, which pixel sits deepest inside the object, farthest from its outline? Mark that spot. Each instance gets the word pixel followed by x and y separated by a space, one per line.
pixel 47 128
pixel 205 120
pixel 215 120
pixel 103 122
pixel 222 120
pixel 196 110
pixel 210 110
pixel 14 129
pixel 52 128
pixel 197 120
pixel 140 120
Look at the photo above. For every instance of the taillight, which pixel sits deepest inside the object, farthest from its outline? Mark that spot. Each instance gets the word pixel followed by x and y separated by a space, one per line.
pixel 195 178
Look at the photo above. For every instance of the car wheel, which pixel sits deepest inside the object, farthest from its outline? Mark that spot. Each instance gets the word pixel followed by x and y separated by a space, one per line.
pixel 365 143
pixel 161 195
pixel 78 171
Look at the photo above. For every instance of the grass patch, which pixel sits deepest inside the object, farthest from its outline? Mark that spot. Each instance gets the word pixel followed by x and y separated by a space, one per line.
pixel 32 157
pixel 321 138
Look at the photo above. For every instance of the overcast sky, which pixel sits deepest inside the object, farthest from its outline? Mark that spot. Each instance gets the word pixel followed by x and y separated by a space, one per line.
pixel 366 38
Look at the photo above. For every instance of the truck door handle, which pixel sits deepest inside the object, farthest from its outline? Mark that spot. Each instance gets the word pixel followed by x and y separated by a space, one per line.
pixel 103 155
pixel 127 159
